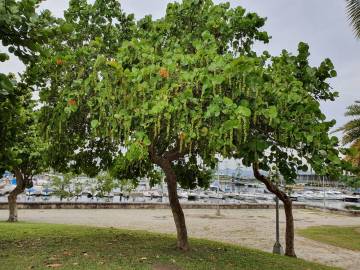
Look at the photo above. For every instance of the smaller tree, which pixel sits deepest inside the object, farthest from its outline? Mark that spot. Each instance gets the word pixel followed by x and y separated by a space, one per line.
pixel 65 187
pixel 288 132
pixel 28 159
pixel 104 185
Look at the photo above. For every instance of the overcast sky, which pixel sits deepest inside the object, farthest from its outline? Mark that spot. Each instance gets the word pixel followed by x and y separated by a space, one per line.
pixel 320 23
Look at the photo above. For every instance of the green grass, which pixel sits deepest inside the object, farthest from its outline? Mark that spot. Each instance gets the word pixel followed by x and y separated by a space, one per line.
pixel 352 207
pixel 45 246
pixel 345 237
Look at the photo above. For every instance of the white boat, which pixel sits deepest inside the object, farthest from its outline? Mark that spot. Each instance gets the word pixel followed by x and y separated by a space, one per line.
pixel 34 191
pixel 6 189
pixel 203 195
pixel 147 193
pixel 182 195
pixel 117 192
pixel 352 198
pixel 105 195
pixel 46 191
pixel 152 194
pixel 216 195
pixel 87 192
pixel 321 195
pixel 193 196
pixel 334 195
pixel 230 195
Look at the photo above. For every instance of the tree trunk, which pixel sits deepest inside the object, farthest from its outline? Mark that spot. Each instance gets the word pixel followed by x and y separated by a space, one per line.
pixel 165 163
pixel 20 187
pixel 178 214
pixel 289 231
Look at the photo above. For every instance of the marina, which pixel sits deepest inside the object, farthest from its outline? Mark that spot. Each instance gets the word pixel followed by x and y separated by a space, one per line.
pixel 228 187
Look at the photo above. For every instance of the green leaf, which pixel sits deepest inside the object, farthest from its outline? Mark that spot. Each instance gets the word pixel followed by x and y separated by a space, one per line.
pixel 113 64
pixel 309 138
pixel 230 124
pixel 94 123
pixel 4 57
pixel 67 28
pixel 272 112
pixel 204 131
pixel 212 110
pixel 243 111
pixel 5 83
pixel 228 102
pixel 158 107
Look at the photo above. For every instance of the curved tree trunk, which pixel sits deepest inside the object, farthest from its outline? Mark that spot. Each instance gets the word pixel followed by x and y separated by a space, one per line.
pixel 20 187
pixel 178 214
pixel 289 231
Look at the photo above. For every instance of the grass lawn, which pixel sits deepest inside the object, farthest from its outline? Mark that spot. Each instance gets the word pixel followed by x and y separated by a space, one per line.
pixel 345 237
pixel 45 246
pixel 352 207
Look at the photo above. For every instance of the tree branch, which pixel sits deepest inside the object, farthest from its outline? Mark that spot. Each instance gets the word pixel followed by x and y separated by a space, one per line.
pixel 268 183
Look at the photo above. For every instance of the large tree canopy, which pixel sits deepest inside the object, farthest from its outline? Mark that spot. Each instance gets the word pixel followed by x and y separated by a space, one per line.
pixel 168 94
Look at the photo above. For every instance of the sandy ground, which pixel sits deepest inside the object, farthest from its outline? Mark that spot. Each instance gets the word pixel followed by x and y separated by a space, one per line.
pixel 246 227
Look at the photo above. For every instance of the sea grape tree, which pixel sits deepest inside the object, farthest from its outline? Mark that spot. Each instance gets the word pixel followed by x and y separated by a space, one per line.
pixel 170 96
pixel 288 131
pixel 28 154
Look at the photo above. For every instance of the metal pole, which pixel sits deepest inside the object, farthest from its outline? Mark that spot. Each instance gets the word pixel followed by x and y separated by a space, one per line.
pixel 218 206
pixel 277 249
pixel 324 190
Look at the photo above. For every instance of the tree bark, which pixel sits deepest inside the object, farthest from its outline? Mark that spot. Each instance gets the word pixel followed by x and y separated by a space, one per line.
pixel 289 233
pixel 178 214
pixel 289 230
pixel 20 187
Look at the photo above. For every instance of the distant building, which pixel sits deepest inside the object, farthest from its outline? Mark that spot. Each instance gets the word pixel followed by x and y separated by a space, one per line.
pixel 312 179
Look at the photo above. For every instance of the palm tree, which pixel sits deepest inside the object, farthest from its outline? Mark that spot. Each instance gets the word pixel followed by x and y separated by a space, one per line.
pixel 354 155
pixel 352 128
pixel 353 10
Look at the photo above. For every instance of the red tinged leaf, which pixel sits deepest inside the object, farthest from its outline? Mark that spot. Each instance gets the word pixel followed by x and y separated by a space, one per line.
pixel 72 102
pixel 59 61
pixel 164 73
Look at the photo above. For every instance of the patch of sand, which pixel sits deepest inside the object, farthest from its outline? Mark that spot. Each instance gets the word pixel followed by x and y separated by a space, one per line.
pixel 253 228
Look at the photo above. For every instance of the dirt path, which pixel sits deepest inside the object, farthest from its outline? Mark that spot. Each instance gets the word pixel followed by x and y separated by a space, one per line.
pixel 251 228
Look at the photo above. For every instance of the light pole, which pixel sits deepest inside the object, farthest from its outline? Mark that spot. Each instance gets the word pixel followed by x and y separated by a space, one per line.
pixel 277 249
pixel 218 198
